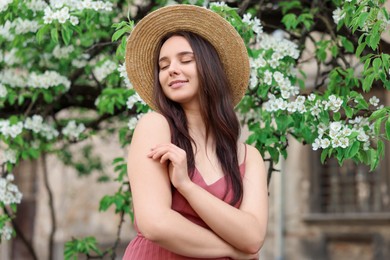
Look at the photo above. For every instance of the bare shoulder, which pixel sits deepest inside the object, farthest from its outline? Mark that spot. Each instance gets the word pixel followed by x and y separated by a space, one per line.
pixel 253 155
pixel 152 119
pixel 151 129
pixel 252 151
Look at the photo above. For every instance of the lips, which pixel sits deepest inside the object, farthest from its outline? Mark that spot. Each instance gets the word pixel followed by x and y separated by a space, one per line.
pixel 177 83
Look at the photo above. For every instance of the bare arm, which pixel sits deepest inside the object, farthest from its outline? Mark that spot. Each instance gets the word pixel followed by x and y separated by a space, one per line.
pixel 243 228
pixel 152 198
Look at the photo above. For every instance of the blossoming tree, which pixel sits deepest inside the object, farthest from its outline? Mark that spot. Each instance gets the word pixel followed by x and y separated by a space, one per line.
pixel 62 77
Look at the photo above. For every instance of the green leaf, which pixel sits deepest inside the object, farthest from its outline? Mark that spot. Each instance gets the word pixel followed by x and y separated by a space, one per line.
pixel 336 116
pixel 119 33
pixel 378 114
pixel 273 152
pixel 360 49
pixel 362 19
pixel 334 50
pixel 54 35
pixel 381 148
pixel 290 21
pixel 347 44
pixel 348 111
pixel 376 64
pixel 387 128
pixel 375 36
pixel 377 125
pixel 367 82
pixel 324 154
pixel 66 33
pixel 41 33
pixel 353 149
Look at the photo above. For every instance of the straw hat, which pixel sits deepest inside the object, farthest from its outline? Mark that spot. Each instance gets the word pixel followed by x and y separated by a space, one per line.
pixel 144 39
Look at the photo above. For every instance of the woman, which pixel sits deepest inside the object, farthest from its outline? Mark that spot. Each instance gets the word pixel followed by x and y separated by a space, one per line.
pixel 197 191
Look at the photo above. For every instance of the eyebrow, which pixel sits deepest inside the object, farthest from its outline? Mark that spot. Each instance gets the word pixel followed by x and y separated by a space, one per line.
pixel 183 53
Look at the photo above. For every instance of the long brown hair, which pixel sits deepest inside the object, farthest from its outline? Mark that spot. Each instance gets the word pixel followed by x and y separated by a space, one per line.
pixel 217 111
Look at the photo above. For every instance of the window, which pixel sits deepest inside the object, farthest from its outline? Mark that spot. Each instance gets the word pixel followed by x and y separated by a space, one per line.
pixel 350 188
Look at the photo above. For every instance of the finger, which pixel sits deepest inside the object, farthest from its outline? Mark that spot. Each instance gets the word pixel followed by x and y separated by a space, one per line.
pixel 161 150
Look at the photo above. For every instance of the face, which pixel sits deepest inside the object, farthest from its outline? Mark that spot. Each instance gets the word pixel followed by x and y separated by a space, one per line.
pixel 177 71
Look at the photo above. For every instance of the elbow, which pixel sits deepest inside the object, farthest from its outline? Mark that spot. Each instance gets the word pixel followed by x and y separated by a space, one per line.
pixel 253 245
pixel 152 229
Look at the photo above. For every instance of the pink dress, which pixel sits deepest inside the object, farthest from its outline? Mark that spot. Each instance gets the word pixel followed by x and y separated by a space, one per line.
pixel 141 248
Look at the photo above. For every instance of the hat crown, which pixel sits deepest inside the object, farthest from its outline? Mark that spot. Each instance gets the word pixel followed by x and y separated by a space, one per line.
pixel 142 44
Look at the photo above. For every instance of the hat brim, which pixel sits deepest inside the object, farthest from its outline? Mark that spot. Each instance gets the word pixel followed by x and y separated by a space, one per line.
pixel 143 41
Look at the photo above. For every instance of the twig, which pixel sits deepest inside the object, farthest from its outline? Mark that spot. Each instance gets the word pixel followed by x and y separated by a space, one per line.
pixel 100 44
pixel 243 6
pixel 21 235
pixel 333 35
pixel 51 206
pixel 118 233
pixel 270 170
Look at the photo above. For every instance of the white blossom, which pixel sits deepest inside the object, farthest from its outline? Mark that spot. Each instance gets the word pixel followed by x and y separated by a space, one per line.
pixel 336 142
pixel 335 126
pixel 36 124
pixel 74 20
pixel 36 5
pixel 123 74
pixel 283 47
pixel 315 110
pixel 62 52
pixel 22 79
pixel 274 63
pixel 9 192
pixel 104 70
pixel 257 63
pixel 366 146
pixel 374 101
pixel 334 103
pixel 6 233
pixel 218 4
pixel 316 144
pixel 346 131
pixel 362 137
pixel 254 23
pixel 4 4
pixel 73 130
pixel 10 57
pixel 321 129
pixel 344 142
pixel 25 26
pixel 132 123
pixel 278 76
pixel 253 81
pixel 3 91
pixel 325 143
pixel 8 130
pixel 60 9
pixel 5 31
pixel 132 100
pixel 338 14
pixel 48 79
pixel 311 97
pixel 268 77
pixel 9 156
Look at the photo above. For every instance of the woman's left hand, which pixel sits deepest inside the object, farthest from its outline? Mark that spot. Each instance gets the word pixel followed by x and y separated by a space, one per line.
pixel 177 159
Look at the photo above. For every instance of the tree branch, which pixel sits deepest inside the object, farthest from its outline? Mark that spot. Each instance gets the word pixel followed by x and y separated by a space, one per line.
pixel 51 206
pixel 19 232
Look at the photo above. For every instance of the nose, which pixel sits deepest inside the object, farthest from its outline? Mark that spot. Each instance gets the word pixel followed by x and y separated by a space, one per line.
pixel 173 69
